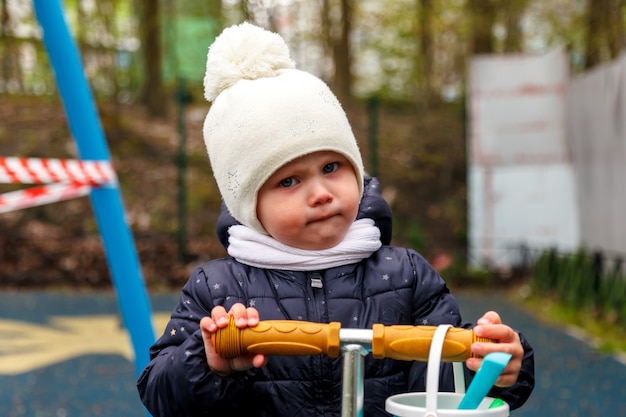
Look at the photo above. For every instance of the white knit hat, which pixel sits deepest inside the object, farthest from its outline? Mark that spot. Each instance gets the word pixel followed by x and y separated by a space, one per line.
pixel 265 113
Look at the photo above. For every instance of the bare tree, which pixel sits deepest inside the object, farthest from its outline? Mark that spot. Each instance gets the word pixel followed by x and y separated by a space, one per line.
pixel 326 38
pixel 4 25
pixel 482 14
pixel 11 72
pixel 153 92
pixel 336 26
pixel 245 10
pixel 617 35
pixel 215 10
pixel 424 59
pixel 605 31
pixel 513 11
pixel 4 16
pixel 342 80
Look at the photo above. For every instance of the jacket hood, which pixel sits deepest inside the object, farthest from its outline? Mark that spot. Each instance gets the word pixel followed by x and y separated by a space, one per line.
pixel 373 206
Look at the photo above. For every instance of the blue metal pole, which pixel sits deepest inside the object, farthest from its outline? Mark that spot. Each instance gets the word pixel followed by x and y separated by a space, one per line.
pixel 107 202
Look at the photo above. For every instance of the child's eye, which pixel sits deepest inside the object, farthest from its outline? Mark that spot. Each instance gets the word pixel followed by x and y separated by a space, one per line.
pixel 331 167
pixel 288 182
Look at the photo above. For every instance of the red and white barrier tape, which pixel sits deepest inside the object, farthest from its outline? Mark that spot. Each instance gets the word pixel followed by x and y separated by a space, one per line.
pixel 63 178
pixel 40 195
pixel 46 171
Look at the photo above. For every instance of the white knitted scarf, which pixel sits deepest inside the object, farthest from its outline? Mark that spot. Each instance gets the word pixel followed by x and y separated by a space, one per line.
pixel 255 249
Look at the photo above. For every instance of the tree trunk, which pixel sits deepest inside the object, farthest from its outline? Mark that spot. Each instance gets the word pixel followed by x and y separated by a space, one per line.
pixel 325 31
pixel 342 80
pixel 4 17
pixel 10 44
pixel 425 57
pixel 616 35
pixel 482 16
pixel 215 10
pixel 5 50
pixel 595 29
pixel 108 11
pixel 605 31
pixel 514 10
pixel 153 95
pixel 245 10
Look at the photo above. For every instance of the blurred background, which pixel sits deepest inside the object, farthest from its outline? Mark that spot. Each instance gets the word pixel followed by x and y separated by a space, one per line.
pixel 497 129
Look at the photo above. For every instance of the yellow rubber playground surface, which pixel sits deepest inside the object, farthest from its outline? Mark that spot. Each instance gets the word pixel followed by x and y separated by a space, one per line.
pixel 68 355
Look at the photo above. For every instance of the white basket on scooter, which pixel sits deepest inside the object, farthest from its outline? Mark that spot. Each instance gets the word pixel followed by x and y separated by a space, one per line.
pixel 440 404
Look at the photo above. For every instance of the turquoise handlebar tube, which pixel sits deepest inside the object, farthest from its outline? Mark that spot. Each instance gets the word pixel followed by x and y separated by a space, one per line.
pixel 107 203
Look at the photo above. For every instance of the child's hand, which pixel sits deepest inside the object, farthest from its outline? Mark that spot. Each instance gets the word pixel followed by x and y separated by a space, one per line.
pixel 244 317
pixel 490 326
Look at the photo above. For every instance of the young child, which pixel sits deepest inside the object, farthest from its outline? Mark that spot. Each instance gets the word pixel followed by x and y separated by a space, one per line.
pixel 307 233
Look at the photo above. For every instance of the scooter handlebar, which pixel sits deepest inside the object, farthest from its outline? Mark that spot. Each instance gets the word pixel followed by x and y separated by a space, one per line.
pixel 412 343
pixel 278 337
pixel 292 337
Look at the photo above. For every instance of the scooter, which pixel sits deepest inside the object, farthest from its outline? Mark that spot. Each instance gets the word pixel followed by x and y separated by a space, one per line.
pixel 292 337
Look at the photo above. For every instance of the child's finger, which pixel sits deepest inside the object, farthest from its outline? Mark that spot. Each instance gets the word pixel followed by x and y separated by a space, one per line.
pixel 509 374
pixel 240 314
pixel 490 317
pixel 259 361
pixel 508 341
pixel 499 332
pixel 253 316
pixel 219 316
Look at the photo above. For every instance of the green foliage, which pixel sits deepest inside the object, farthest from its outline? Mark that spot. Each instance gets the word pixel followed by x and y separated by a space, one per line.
pixel 186 39
pixel 583 281
pixel 607 334
pixel 584 291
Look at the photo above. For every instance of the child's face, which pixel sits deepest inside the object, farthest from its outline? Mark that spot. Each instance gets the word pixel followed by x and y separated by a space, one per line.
pixel 310 202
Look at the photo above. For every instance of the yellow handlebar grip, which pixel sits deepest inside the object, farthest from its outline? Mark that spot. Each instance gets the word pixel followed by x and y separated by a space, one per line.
pixel 278 337
pixel 412 343
pixel 292 337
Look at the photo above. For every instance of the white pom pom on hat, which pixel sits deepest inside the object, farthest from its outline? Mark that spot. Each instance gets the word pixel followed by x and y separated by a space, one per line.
pixel 265 113
pixel 244 52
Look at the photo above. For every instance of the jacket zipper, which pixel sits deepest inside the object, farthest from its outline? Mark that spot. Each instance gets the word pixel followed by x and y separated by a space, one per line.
pixel 316 291
pixel 320 365
pixel 316 282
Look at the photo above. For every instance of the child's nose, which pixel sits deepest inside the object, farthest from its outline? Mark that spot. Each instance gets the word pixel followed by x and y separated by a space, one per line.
pixel 319 194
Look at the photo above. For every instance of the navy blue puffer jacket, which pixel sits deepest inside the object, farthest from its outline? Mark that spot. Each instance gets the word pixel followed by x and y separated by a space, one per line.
pixel 393 286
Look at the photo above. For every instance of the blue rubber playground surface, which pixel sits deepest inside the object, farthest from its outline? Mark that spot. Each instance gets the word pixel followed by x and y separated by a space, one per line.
pixel 67 355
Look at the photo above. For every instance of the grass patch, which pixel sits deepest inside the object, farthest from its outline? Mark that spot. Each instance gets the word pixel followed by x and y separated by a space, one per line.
pixel 605 333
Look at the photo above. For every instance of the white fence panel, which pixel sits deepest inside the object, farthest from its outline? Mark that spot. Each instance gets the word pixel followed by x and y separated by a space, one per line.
pixel 597 132
pixel 521 183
